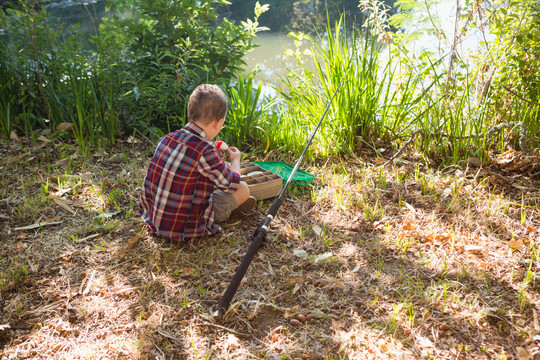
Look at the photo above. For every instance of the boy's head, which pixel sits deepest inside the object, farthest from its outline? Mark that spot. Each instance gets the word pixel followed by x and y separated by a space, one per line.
pixel 207 103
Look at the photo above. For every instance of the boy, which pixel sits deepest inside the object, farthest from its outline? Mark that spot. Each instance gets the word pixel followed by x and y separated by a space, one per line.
pixel 188 189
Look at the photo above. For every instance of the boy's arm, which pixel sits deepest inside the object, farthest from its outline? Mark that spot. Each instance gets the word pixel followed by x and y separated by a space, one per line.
pixel 235 155
pixel 212 166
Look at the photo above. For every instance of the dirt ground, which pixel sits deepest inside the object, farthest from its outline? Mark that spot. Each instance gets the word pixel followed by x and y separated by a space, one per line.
pixel 407 261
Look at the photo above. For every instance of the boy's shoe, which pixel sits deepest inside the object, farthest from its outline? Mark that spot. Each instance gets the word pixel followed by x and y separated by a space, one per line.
pixel 245 207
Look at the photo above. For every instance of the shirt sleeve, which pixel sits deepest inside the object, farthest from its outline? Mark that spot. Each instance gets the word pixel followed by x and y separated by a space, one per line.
pixel 212 166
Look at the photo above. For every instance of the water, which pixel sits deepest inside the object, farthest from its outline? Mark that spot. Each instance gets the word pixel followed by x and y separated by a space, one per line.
pixel 445 13
pixel 87 14
pixel 272 60
pixel 270 57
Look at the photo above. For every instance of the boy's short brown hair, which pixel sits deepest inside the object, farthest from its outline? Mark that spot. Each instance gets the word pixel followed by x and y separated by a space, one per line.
pixel 207 103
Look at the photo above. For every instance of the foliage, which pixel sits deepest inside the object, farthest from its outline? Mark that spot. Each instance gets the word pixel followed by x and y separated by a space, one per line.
pixel 517 27
pixel 50 79
pixel 366 107
pixel 513 59
pixel 144 61
pixel 21 68
pixel 249 113
pixel 464 102
pixel 169 47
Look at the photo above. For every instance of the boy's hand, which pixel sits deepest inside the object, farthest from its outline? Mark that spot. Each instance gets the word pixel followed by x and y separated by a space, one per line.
pixel 234 153
pixel 235 156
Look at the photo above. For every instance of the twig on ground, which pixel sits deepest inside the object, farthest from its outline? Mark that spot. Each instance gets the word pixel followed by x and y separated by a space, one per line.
pixel 400 151
pixel 245 335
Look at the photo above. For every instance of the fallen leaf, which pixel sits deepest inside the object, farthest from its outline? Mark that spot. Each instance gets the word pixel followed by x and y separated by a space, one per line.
pixel 99 153
pixel 51 221
pixel 43 138
pixel 492 311
pixel 437 237
pixel 15 158
pixel 325 258
pixel 522 353
pixel 446 193
pixel 335 325
pixel 408 226
pixel 302 254
pixel 64 126
pixel 186 271
pixel 64 205
pixel 515 244
pixel 474 162
pixel 319 314
pixel 64 161
pixel 110 225
pixel 296 279
pixel 101 217
pixel 336 282
pixel 424 341
pixel 317 230
pixel 378 225
pixel 474 249
pixel 130 243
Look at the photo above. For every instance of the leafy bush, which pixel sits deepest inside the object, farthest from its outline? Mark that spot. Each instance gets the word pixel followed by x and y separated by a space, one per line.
pixel 145 60
pixel 249 115
pixel 22 68
pixel 168 48
pixel 49 78
pixel 467 95
pixel 513 60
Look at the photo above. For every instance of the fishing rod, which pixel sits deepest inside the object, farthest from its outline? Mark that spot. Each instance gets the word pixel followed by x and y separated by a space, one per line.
pixel 261 232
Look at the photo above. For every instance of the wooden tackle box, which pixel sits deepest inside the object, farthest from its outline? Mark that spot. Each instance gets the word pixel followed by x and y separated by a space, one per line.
pixel 262 185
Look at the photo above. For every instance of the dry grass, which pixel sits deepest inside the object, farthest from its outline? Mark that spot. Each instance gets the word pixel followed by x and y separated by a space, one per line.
pixel 425 264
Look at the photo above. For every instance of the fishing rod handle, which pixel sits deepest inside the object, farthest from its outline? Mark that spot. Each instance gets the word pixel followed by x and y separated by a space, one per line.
pixel 240 272
pixel 258 238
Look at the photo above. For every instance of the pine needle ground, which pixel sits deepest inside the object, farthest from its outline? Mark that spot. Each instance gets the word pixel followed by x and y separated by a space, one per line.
pixel 404 262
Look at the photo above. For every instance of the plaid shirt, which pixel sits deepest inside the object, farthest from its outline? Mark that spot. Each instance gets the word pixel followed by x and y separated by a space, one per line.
pixel 176 199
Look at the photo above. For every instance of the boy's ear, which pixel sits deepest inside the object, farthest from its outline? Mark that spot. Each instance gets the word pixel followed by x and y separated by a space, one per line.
pixel 219 123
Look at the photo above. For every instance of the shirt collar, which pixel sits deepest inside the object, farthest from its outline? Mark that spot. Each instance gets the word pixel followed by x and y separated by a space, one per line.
pixel 196 129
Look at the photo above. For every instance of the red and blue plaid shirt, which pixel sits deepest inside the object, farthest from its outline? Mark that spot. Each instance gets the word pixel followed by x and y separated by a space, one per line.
pixel 176 199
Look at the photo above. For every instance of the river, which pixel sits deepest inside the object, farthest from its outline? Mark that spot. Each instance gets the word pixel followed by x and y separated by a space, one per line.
pixel 270 55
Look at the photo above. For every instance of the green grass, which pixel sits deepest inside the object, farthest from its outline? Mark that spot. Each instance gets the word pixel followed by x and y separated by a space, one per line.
pixel 369 105
pixel 248 115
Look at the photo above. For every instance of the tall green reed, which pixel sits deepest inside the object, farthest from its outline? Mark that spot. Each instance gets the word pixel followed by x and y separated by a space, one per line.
pixel 248 115
pixel 6 100
pixel 454 122
pixel 367 105
pixel 70 84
